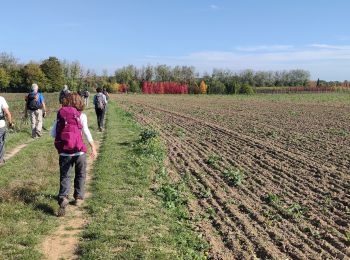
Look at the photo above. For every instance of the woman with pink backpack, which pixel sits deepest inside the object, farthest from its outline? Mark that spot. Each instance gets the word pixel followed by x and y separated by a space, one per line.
pixel 68 131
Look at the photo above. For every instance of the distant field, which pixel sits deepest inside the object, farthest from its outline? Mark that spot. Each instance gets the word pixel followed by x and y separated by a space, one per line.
pixel 269 173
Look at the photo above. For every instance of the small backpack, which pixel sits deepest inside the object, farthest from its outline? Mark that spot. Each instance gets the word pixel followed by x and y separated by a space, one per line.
pixel 69 137
pixel 63 94
pixel 100 101
pixel 33 101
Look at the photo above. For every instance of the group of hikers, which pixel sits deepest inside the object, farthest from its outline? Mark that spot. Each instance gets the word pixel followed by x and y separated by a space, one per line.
pixel 68 129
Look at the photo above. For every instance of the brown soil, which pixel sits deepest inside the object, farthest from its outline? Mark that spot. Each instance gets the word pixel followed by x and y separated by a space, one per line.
pixel 311 218
pixel 63 243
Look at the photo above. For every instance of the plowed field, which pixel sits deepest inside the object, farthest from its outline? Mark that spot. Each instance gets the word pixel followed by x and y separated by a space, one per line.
pixel 270 176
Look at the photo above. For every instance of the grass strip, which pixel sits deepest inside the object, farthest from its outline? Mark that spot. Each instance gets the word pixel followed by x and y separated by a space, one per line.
pixel 135 212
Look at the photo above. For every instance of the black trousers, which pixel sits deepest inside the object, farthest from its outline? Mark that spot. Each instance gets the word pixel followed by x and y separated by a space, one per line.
pixel 66 165
pixel 100 113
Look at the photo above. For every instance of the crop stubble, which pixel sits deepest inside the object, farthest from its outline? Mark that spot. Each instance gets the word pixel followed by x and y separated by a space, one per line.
pixel 296 151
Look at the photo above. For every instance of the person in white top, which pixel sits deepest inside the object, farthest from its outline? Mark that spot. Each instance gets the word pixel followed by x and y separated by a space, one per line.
pixel 71 156
pixel 4 113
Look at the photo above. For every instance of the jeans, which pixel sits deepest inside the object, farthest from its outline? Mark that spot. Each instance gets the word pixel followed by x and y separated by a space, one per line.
pixel 100 113
pixel 2 143
pixel 36 122
pixel 66 164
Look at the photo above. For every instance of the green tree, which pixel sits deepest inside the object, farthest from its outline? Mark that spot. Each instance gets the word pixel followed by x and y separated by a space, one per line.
pixel 216 87
pixel 53 70
pixel 126 74
pixel 32 73
pixel 73 75
pixel 134 87
pixel 163 73
pixel 246 89
pixel 4 79
pixel 149 73
pixel 16 80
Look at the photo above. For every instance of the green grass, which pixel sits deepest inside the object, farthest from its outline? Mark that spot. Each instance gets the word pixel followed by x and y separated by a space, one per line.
pixel 29 184
pixel 136 212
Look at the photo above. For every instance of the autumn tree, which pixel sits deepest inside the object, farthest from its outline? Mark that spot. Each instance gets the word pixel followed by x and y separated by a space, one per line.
pixel 203 87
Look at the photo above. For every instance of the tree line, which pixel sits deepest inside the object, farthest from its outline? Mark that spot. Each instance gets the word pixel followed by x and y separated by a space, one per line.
pixel 51 74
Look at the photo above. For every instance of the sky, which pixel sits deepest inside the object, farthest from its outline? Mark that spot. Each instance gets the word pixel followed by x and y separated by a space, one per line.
pixel 229 34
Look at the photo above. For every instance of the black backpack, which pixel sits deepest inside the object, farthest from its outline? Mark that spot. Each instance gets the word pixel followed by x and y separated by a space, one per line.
pixel 63 94
pixel 33 101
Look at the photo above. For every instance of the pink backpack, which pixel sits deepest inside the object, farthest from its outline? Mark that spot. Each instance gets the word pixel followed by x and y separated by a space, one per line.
pixel 69 137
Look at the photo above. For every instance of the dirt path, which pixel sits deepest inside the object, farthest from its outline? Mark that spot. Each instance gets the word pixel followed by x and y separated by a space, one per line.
pixel 16 150
pixel 62 244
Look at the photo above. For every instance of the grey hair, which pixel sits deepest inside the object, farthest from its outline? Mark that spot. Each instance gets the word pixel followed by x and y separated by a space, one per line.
pixel 65 87
pixel 35 87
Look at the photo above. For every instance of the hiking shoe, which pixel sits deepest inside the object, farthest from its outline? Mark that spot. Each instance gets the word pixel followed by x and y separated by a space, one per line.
pixel 62 210
pixel 78 202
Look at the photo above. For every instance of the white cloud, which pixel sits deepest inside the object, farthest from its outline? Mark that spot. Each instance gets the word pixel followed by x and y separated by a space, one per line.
pixel 265 48
pixel 327 46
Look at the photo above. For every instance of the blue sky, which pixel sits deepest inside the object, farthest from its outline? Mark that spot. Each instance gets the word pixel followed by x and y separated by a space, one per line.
pixel 229 34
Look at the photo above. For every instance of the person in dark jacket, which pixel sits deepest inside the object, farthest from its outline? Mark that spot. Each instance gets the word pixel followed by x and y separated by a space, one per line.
pixel 100 102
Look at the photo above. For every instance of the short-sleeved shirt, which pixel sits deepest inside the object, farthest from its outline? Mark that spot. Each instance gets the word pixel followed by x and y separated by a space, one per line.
pixel 3 105
pixel 40 97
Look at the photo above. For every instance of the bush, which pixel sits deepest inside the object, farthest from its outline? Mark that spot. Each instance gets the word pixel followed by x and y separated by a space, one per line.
pixel 194 89
pixel 217 87
pixel 147 134
pixel 134 87
pixel 246 89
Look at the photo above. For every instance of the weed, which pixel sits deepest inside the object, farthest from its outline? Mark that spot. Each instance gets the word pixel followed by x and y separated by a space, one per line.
pixel 271 216
pixel 295 211
pixel 231 201
pixel 213 160
pixel 347 236
pixel 234 177
pixel 205 193
pixel 180 132
pixel 170 196
pixel 312 232
pixel 294 113
pixel 272 198
pixel 146 135
pixel 272 134
pixel 211 212
pixel 340 132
